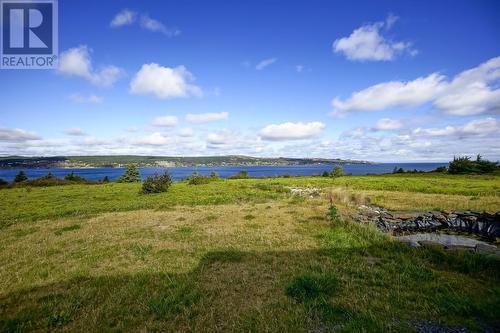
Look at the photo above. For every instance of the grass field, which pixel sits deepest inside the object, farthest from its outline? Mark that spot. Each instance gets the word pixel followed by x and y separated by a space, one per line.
pixel 236 256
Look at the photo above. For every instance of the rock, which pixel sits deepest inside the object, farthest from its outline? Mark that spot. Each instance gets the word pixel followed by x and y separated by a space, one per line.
pixel 404 216
pixel 430 243
pixel 460 248
pixel 487 249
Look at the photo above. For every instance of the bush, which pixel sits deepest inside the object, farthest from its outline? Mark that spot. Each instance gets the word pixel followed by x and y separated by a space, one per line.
pixel 20 177
pixel 440 169
pixel 464 165
pixel 243 174
pixel 3 182
pixel 214 174
pixel 131 175
pixel 337 171
pixel 74 178
pixel 105 179
pixel 157 183
pixel 325 174
pixel 396 170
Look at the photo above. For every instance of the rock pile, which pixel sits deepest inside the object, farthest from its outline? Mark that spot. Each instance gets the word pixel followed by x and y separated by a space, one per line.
pixel 485 224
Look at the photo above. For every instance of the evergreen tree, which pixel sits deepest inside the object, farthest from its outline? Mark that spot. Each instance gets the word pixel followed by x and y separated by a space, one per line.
pixel 337 171
pixel 131 175
pixel 20 177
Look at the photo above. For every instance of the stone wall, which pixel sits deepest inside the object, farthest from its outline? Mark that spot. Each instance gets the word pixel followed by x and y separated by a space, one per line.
pixel 485 224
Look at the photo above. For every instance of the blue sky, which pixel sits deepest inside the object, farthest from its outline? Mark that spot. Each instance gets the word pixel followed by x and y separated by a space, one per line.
pixel 381 81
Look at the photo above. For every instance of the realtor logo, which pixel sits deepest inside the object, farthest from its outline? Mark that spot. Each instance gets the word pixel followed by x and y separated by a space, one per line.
pixel 29 34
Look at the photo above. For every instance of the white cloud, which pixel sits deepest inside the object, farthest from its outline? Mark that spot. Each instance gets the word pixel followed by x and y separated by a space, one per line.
pixel 90 99
pixel 153 25
pixel 76 62
pixel 165 121
pixel 387 124
pixel 477 127
pixel 291 131
pixel 264 63
pixel 17 135
pixel 75 131
pixel 367 43
pixel 390 20
pixel 125 17
pixel 186 132
pixel 199 118
pixel 392 94
pixel 155 139
pixel 471 92
pixel 164 82
pixel 132 129
pixel 357 132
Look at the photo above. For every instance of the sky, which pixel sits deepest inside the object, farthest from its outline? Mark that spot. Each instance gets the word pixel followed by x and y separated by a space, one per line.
pixel 387 81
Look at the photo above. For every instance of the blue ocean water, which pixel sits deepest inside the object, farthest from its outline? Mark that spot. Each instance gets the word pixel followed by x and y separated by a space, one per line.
pixel 225 171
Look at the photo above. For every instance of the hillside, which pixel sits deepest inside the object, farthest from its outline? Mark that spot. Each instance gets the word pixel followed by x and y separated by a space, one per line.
pixel 156 161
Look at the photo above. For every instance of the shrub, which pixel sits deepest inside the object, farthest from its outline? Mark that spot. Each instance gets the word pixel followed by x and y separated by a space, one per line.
pixel 441 169
pixel 464 165
pixel 325 174
pixel 398 170
pixel 337 171
pixel 157 183
pixel 131 175
pixel 214 174
pixel 105 179
pixel 20 177
pixel 333 214
pixel 243 174
pixel 3 182
pixel 74 178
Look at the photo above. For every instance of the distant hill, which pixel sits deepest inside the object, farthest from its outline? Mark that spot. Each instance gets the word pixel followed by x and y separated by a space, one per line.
pixel 157 161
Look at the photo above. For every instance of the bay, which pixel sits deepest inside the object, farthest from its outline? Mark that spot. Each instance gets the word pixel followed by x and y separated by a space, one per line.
pixel 179 173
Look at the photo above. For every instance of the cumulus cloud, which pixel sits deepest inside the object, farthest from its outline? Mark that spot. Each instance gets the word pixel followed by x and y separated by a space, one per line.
pixel 165 121
pixel 367 43
pixel 124 17
pixel 77 62
pixel 199 118
pixel 392 94
pixel 164 82
pixel 17 135
pixel 75 131
pixel 388 124
pixel 90 99
pixel 264 63
pixel 291 131
pixel 477 127
pixel 471 92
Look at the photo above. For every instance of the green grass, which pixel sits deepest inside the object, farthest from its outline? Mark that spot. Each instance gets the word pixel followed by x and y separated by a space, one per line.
pixel 235 256
pixel 31 204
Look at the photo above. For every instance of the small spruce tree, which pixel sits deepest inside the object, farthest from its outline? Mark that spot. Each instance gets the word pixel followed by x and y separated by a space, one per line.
pixel 337 171
pixel 131 175
pixel 20 177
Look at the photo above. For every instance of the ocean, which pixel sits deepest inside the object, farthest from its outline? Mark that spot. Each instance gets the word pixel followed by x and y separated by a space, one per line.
pixel 179 173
